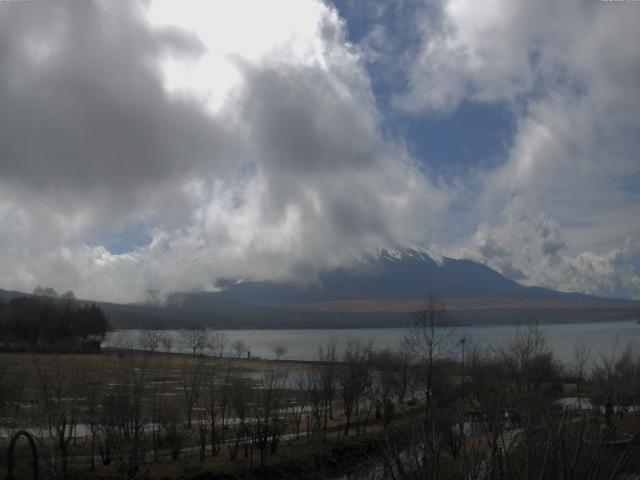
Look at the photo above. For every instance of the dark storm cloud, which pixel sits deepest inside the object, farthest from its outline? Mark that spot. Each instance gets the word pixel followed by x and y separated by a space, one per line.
pixel 327 186
pixel 319 148
pixel 290 176
pixel 83 108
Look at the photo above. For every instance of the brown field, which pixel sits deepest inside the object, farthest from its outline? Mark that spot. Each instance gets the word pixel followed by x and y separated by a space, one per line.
pixel 367 305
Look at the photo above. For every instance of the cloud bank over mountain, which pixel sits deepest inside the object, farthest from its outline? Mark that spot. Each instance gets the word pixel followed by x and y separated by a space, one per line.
pixel 151 145
pixel 566 195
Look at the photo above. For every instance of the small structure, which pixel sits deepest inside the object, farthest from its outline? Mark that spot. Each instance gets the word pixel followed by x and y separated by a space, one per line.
pixel 609 435
pixel 34 453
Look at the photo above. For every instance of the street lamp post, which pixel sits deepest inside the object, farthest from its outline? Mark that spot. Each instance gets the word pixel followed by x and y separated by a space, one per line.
pixel 462 342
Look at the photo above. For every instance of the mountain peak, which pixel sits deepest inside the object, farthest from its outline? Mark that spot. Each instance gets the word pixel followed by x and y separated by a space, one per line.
pixel 411 253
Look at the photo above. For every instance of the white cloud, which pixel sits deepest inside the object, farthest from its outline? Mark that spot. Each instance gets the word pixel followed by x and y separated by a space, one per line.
pixel 533 251
pixel 282 31
pixel 494 50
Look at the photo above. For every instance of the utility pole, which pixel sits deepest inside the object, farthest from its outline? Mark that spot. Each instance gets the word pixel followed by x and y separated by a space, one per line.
pixel 462 342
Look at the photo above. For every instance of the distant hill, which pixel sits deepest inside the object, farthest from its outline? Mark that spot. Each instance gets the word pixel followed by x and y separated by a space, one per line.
pixel 381 290
pixel 6 295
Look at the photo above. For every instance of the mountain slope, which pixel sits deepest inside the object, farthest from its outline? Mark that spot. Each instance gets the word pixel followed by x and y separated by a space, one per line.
pixel 6 295
pixel 392 276
pixel 385 289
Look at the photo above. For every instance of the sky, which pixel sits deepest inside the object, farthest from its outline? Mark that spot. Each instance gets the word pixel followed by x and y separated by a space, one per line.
pixel 162 145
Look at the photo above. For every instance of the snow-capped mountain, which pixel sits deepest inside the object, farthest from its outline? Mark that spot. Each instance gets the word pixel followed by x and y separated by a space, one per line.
pixel 382 289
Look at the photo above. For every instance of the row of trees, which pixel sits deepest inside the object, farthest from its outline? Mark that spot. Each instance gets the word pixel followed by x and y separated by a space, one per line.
pixel 197 341
pixel 46 322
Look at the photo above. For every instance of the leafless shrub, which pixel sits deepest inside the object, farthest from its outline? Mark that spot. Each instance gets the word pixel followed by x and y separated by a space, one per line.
pixel 195 340
pixel 240 348
pixel 167 343
pixel 150 341
pixel 217 343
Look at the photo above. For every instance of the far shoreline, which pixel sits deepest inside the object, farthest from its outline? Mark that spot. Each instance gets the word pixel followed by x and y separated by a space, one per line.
pixel 408 325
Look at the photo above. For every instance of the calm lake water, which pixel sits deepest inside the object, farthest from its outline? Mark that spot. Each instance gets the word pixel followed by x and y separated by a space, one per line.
pixel 303 344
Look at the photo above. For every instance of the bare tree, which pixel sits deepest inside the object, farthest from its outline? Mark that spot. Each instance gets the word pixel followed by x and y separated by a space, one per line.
pixel 402 374
pixel 214 405
pixel 328 377
pixel 191 379
pixel 169 420
pixel 580 364
pixel 239 347
pixel 45 292
pixel 386 382
pixel 12 386
pixel 300 400
pixel 92 391
pixel 316 396
pixel 59 407
pixel 150 341
pixel 353 378
pixel 270 422
pixel 127 401
pixel 430 339
pixel 529 360
pixel 167 343
pixel 279 351
pixel 69 298
pixel 219 404
pixel 195 339
pixel 218 343
pixel 617 375
pixel 239 395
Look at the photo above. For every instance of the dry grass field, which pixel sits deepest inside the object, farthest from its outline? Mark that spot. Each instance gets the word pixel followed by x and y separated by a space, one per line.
pixel 172 400
pixel 135 414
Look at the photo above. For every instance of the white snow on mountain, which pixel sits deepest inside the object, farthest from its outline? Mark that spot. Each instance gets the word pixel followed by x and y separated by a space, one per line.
pixel 414 251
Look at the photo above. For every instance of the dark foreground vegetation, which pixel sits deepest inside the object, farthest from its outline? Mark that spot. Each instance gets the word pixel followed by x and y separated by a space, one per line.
pixel 437 408
pixel 46 322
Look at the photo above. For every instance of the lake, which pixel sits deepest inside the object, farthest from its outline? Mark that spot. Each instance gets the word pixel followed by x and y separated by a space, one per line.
pixel 303 344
